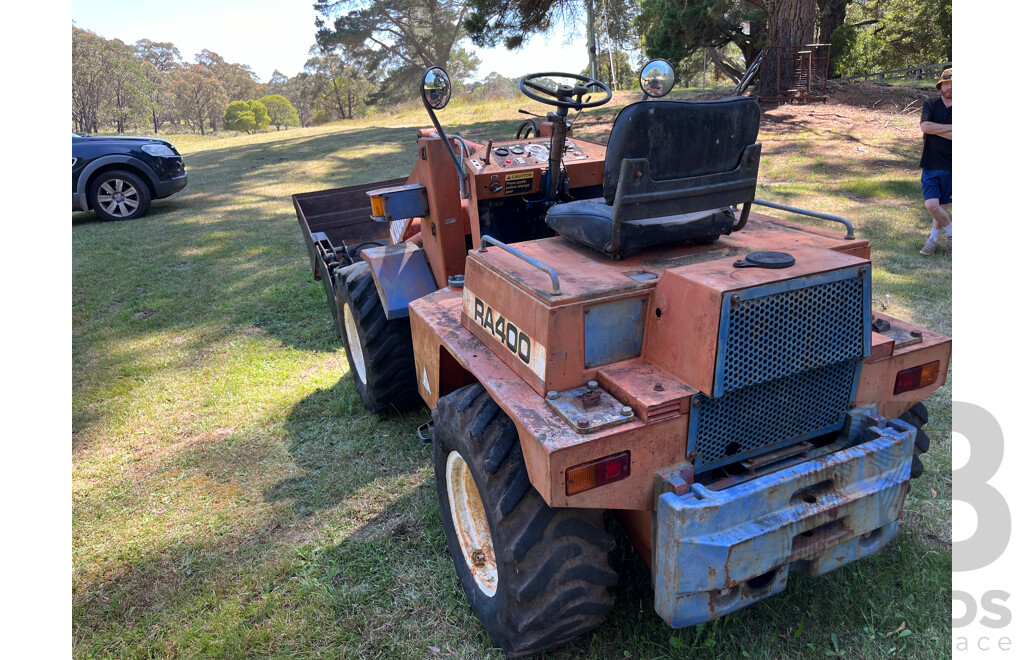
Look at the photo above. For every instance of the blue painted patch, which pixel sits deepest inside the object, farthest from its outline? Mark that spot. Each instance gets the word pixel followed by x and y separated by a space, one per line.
pixel 402 202
pixel 401 274
pixel 716 552
pixel 613 331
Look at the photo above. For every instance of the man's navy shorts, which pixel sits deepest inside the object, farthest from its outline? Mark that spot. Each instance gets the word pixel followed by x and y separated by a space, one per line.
pixel 937 184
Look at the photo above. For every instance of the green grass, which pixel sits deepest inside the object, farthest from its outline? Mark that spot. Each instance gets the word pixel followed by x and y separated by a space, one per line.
pixel 231 497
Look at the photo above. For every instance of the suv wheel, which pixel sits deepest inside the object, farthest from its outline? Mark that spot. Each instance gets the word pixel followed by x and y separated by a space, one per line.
pixel 118 195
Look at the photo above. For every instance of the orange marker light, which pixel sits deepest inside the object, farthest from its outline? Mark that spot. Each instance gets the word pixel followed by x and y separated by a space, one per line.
pixel 377 206
pixel 597 473
pixel 916 377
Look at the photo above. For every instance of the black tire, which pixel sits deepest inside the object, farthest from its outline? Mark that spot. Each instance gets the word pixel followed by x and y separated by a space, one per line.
pixel 528 129
pixel 544 579
pixel 379 351
pixel 118 195
pixel 917 417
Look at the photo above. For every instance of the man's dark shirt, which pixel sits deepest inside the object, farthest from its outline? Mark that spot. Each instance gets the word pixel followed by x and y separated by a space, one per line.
pixel 938 151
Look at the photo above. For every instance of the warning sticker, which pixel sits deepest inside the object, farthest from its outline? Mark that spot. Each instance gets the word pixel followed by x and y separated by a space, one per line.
pixel 518 182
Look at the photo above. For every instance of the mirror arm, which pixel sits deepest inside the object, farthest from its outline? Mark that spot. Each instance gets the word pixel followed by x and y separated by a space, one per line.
pixel 463 183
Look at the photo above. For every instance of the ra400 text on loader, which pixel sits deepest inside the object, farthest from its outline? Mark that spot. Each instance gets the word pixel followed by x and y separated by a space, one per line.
pixel 609 327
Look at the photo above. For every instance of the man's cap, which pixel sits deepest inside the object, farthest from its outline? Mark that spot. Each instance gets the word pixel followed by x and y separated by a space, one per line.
pixel 946 75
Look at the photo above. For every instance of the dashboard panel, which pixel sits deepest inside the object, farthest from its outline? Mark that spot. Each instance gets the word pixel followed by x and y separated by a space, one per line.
pixel 514 167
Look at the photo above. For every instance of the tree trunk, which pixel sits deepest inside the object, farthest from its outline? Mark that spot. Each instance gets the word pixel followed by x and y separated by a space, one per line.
pixel 832 14
pixel 611 63
pixel 790 23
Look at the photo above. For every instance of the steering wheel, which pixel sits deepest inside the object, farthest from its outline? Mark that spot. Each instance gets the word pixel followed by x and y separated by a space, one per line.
pixel 562 95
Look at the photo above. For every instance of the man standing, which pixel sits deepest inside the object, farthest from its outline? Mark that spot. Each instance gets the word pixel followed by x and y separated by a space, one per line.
pixel 937 161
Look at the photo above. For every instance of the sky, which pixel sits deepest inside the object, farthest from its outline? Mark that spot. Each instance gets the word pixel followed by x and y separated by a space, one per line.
pixel 277 34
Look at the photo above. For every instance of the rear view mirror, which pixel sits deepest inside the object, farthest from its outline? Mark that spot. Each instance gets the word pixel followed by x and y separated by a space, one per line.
pixel 436 88
pixel 657 78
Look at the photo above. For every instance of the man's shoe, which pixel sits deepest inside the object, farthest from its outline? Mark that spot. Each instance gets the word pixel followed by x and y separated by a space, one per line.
pixel 949 245
pixel 929 246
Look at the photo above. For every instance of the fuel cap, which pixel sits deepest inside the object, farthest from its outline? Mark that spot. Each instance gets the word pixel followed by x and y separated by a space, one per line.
pixel 766 259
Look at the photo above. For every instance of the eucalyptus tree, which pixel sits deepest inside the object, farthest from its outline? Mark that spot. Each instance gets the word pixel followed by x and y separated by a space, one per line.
pixel 337 81
pixel 159 60
pixel 198 95
pixel 88 82
pixel 127 103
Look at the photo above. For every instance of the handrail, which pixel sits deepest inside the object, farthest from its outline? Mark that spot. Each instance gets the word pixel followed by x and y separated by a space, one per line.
pixel 813 214
pixel 555 291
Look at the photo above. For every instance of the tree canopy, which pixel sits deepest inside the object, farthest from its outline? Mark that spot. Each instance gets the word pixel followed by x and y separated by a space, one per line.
pixel 676 30
pixel 397 39
pixel 280 111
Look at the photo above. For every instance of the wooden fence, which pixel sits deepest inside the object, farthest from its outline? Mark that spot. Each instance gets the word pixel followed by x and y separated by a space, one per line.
pixel 917 72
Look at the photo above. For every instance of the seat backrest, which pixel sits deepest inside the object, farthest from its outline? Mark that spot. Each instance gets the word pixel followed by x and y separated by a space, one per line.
pixel 684 140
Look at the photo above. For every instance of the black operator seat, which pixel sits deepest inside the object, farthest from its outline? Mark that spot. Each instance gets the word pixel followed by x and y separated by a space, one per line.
pixel 672 171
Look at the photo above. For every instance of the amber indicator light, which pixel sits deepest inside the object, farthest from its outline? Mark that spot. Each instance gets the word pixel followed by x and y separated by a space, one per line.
pixel 377 206
pixel 596 473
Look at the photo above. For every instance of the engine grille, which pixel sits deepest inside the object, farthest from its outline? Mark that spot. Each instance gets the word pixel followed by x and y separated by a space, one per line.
pixel 772 336
pixel 787 366
pixel 766 416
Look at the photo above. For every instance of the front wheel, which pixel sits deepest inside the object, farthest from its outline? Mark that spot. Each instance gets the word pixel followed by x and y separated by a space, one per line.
pixel 379 350
pixel 537 577
pixel 118 195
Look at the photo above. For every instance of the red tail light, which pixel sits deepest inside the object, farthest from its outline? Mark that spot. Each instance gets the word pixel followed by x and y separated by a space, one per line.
pixel 603 471
pixel 916 377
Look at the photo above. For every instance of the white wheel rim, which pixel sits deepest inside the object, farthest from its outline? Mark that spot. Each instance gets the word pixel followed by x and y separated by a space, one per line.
pixel 470 522
pixel 355 349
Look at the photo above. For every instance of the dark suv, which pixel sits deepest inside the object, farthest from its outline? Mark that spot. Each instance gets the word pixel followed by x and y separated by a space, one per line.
pixel 118 176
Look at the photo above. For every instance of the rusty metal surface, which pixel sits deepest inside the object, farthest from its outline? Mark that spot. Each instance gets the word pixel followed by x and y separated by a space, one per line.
pixel 901 333
pixel 683 330
pixel 881 348
pixel 878 375
pixel 342 214
pixel 589 409
pixel 550 445
pixel 715 552
pixel 444 231
pixel 584 275
pixel 654 394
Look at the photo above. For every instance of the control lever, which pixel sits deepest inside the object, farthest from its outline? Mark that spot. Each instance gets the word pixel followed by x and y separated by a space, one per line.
pixel 532 114
pixel 586 100
pixel 487 154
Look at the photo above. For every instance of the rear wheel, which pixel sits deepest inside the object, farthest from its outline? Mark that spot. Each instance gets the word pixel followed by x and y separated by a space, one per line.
pixel 379 350
pixel 537 577
pixel 917 417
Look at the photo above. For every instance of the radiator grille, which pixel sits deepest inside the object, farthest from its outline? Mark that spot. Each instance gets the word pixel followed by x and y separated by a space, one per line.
pixel 766 416
pixel 772 336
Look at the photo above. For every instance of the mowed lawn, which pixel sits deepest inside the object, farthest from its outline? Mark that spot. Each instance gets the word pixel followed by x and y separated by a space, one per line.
pixel 231 497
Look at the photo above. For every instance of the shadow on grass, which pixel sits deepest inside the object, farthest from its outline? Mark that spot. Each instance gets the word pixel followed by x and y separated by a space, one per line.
pixel 391 580
pixel 342 448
